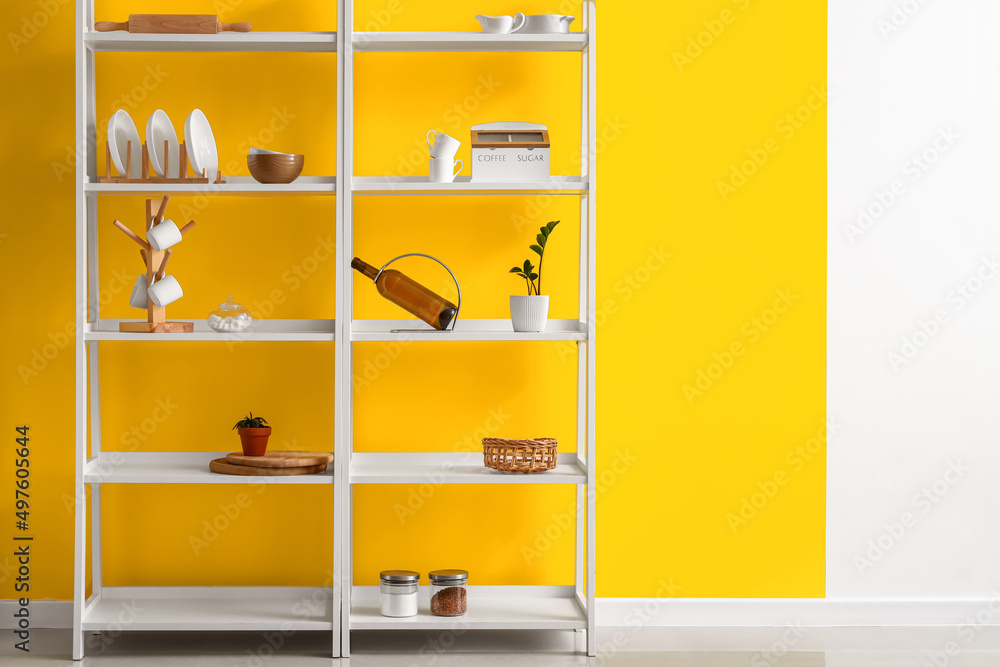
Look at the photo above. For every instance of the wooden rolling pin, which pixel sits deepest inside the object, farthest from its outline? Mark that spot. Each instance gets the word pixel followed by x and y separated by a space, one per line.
pixel 176 24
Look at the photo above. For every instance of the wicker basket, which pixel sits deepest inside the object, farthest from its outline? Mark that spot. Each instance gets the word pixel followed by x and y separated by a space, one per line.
pixel 527 455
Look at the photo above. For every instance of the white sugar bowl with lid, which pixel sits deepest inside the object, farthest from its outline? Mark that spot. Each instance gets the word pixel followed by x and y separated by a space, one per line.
pixel 230 317
pixel 398 591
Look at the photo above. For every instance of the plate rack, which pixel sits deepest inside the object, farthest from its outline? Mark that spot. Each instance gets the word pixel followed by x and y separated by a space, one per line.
pixel 146 177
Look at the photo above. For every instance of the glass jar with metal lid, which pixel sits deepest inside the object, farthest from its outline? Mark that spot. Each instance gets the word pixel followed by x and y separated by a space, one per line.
pixel 398 593
pixel 449 592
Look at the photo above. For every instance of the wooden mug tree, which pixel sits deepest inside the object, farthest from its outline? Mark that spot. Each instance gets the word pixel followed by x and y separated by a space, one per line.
pixel 156 265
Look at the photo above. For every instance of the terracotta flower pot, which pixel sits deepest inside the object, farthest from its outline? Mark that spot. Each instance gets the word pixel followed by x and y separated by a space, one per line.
pixel 254 440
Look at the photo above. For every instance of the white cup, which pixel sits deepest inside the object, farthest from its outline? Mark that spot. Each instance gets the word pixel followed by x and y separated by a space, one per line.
pixel 501 25
pixel 139 298
pixel 164 235
pixel 165 291
pixel 443 146
pixel 443 171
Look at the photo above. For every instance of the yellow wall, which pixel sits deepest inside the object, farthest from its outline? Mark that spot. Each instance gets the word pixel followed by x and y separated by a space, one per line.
pixel 673 464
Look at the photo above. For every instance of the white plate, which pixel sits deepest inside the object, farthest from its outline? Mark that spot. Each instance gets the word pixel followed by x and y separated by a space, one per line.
pixel 160 129
pixel 200 142
pixel 121 130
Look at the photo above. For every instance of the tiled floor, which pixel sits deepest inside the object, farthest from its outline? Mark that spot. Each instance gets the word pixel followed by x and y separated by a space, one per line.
pixel 619 647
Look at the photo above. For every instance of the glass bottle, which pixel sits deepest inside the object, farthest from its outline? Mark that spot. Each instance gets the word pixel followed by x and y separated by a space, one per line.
pixel 410 295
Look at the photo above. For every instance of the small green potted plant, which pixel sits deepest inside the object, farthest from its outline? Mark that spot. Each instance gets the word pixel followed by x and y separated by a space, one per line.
pixel 254 433
pixel 529 312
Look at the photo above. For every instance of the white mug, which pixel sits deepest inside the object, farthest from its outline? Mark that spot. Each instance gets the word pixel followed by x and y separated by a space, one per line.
pixel 165 291
pixel 443 171
pixel 443 146
pixel 501 25
pixel 164 235
pixel 139 298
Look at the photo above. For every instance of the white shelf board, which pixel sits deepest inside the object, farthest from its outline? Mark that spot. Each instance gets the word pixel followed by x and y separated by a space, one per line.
pixel 261 331
pixel 466 41
pixel 211 608
pixel 307 42
pixel 465 330
pixel 463 185
pixel 453 468
pixel 489 608
pixel 234 186
pixel 179 468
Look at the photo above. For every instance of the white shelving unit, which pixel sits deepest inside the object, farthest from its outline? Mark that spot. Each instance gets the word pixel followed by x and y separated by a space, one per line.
pixel 339 607
pixel 490 607
pixel 174 608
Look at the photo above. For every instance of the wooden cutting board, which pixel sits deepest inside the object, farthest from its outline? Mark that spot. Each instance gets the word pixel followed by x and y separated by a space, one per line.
pixel 280 459
pixel 222 467
pixel 173 24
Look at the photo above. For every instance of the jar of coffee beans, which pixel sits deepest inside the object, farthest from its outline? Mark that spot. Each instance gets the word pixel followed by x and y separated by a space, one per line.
pixel 449 594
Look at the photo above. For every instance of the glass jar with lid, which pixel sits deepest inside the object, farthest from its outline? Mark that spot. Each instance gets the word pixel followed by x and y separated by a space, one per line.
pixel 449 592
pixel 398 593
pixel 230 317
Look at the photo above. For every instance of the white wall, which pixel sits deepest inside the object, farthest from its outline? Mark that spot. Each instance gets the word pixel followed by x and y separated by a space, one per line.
pixel 891 97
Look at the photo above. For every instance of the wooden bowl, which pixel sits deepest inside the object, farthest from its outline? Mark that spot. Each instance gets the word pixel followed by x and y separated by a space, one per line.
pixel 275 168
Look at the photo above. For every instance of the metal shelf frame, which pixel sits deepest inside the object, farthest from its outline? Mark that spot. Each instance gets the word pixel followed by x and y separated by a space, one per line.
pixel 501 607
pixel 173 608
pixel 349 607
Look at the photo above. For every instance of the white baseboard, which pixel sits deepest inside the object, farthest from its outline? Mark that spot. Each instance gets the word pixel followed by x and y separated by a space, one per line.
pixel 44 614
pixel 778 612
pixel 694 612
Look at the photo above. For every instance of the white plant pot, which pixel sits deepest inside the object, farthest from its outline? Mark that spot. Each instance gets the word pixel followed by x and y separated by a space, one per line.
pixel 528 314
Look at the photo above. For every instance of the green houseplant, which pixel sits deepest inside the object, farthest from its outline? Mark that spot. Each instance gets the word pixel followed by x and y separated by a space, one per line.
pixel 254 433
pixel 529 312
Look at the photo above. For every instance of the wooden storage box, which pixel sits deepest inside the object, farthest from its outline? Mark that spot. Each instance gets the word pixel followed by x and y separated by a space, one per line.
pixel 510 152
